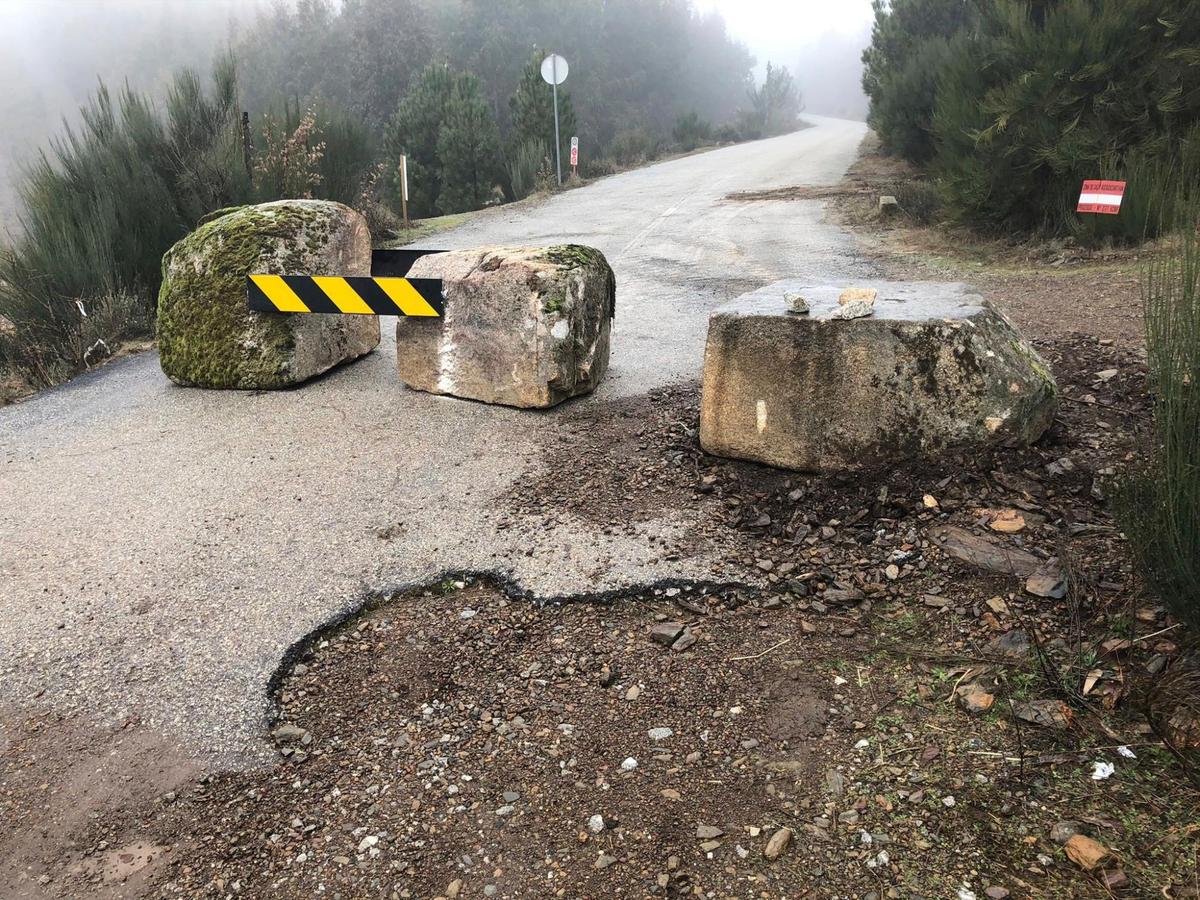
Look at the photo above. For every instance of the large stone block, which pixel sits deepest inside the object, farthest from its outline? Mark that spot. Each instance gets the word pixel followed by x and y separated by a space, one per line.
pixel 522 327
pixel 934 366
pixel 207 337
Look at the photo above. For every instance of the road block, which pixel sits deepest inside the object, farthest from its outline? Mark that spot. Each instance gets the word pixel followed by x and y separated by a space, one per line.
pixel 386 292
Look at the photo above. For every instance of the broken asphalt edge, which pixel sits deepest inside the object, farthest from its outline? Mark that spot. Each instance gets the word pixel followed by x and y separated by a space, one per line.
pixel 511 588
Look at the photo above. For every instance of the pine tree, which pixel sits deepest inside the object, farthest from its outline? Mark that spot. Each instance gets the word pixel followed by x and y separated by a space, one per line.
pixel 468 149
pixel 414 131
pixel 532 108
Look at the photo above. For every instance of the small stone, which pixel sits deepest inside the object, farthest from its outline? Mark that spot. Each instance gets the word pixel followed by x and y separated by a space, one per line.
pixel 604 861
pixel 892 572
pixel 778 843
pixel 1061 832
pixel 710 846
pixel 975 699
pixel 796 303
pixel 1086 852
pixel 633 693
pixel 454 888
pixel 848 817
pixel 686 640
pixel 1048 581
pixel 857 295
pixel 708 832
pixel 660 734
pixel 629 764
pixel 996 892
pixel 666 633
pixel 596 824
pixel 855 309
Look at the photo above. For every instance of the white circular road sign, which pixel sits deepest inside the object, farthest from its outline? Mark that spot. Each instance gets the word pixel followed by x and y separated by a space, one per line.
pixel 554 69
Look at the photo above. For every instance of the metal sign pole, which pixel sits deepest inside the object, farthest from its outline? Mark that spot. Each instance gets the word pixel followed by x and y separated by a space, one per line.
pixel 557 142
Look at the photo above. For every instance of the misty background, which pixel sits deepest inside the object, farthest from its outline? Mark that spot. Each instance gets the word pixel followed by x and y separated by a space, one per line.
pixel 58 51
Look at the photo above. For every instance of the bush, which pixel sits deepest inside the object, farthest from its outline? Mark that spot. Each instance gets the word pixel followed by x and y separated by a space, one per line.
pixel 1035 102
pixel 523 166
pixel 102 207
pixel 635 145
pixel 774 106
pixel 1160 505
pixel 918 199
pixel 691 131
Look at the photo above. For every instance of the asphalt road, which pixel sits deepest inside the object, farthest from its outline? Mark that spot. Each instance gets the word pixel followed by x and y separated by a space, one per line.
pixel 161 547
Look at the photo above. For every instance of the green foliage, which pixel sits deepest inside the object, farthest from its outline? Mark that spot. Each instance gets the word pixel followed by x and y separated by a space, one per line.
pixel 1041 98
pixel 691 131
pixel 919 200
pixel 532 108
pixel 523 167
pixel 468 149
pixel 635 145
pixel 774 106
pixel 452 142
pixel 101 208
pixel 414 131
pixel 910 44
pixel 1160 504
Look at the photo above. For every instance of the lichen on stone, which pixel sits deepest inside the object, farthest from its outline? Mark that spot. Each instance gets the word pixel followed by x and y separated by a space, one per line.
pixel 207 335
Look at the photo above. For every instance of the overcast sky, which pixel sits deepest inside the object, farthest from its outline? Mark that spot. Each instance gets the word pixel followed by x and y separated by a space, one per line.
pixel 779 29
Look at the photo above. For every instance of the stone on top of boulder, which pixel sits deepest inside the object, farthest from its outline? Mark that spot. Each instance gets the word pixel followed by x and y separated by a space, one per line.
pixel 207 335
pixel 526 327
pixel 933 366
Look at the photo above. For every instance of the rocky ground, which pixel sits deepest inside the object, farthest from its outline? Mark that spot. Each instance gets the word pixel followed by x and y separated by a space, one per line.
pixel 867 714
pixel 931 680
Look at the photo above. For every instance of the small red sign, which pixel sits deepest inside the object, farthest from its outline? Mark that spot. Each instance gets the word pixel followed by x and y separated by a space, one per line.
pixel 1102 197
pixel 574 155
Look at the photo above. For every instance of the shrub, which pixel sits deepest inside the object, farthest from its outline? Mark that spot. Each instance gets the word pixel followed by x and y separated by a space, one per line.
pixel 1160 504
pixel 1038 99
pixel 918 199
pixel 522 168
pixel 691 131
pixel 104 204
pixel 635 145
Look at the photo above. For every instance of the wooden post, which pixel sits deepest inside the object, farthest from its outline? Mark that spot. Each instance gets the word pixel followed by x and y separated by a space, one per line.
pixel 247 146
pixel 404 187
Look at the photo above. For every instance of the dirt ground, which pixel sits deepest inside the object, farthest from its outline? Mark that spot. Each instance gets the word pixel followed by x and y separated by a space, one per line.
pixel 885 705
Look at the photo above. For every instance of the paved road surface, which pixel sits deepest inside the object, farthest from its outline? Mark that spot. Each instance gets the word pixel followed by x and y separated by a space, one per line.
pixel 161 547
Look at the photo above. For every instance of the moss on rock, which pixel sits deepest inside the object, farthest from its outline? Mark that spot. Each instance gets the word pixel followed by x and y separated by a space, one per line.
pixel 208 336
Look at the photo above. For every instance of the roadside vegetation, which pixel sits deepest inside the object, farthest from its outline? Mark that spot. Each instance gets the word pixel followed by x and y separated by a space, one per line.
pixel 989 116
pixel 1008 106
pixel 320 99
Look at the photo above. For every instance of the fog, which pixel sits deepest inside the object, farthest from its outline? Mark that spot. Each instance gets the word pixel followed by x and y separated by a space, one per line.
pixel 820 42
pixel 58 50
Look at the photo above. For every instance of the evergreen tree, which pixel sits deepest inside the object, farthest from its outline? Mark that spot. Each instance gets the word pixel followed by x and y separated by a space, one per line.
pixel 910 44
pixel 414 131
pixel 1040 98
pixel 774 106
pixel 532 107
pixel 468 149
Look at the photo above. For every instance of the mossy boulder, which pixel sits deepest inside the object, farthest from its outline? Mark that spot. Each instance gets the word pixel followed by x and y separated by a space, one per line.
pixel 208 337
pixel 932 366
pixel 525 327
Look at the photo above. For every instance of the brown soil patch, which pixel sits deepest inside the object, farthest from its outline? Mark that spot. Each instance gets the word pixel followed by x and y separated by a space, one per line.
pixel 58 777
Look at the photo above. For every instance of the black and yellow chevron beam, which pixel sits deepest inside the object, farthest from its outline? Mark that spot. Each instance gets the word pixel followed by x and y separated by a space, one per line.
pixel 353 295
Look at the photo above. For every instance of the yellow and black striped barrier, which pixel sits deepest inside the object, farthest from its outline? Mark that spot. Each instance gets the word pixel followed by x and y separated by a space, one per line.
pixel 352 295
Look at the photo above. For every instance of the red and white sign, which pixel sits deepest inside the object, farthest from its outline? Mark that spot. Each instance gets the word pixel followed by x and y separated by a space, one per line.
pixel 1101 197
pixel 574 151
